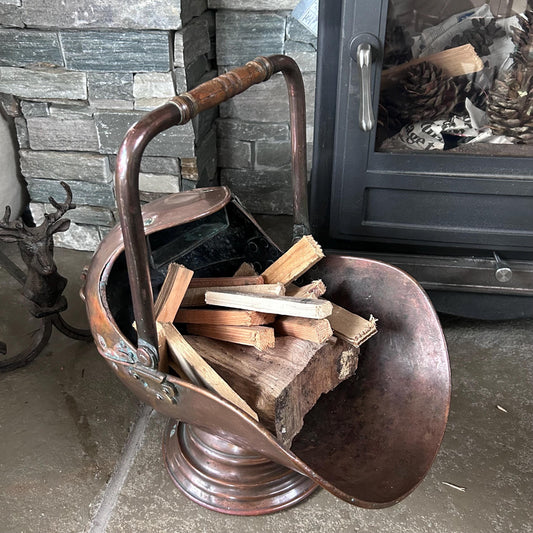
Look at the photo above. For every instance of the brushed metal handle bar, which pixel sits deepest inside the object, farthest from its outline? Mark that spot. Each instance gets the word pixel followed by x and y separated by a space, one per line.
pixel 364 61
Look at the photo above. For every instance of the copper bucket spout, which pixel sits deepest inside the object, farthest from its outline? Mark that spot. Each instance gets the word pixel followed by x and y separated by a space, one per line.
pixel 370 441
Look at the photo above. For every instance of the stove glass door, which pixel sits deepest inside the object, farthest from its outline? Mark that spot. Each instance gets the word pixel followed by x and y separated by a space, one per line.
pixel 434 125
pixel 457 78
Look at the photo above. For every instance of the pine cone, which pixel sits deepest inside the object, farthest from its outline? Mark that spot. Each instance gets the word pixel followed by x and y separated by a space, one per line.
pixel 467 88
pixel 427 94
pixel 481 36
pixel 510 100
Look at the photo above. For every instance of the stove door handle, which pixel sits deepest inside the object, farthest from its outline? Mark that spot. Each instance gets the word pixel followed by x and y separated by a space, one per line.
pixel 364 61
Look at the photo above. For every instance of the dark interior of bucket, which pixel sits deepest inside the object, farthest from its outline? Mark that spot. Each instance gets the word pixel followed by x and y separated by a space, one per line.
pixel 375 436
pixel 215 245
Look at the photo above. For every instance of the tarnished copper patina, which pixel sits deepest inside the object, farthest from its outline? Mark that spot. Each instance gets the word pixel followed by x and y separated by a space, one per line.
pixel 370 441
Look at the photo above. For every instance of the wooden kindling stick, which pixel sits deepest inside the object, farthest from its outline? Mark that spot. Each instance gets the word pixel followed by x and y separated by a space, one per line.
pixel 281 305
pixel 198 370
pixel 314 330
pixel 453 62
pixel 195 297
pixel 167 304
pixel 315 289
pixel 172 292
pixel 227 317
pixel 297 260
pixel 226 282
pixel 259 337
pixel 351 327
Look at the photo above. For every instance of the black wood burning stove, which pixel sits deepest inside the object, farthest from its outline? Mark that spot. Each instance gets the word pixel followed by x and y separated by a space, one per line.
pixel 403 169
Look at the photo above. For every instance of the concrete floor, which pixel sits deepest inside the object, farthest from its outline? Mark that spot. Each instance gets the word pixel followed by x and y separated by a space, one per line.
pixel 65 419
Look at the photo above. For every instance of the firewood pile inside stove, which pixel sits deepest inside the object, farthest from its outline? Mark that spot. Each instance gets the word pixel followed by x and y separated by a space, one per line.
pixel 457 84
pixel 260 341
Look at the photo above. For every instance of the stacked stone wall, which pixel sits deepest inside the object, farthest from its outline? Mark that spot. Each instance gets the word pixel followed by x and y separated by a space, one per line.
pixel 253 132
pixel 76 74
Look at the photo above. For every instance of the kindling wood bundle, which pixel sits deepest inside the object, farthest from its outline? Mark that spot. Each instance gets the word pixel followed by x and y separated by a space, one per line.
pixel 263 343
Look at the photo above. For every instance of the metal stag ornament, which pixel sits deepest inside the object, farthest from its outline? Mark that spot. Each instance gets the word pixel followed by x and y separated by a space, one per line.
pixel 42 283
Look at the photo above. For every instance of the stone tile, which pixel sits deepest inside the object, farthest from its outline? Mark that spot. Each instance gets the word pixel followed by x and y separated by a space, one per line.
pixel 112 127
pixel 188 185
pixel 34 109
pixel 54 133
pixel 155 14
pixel 253 5
pixel 206 153
pixel 180 80
pixel 191 9
pixel 10 104
pixel 233 153
pixel 27 83
pixel 82 214
pixel 65 165
pixel 304 55
pixel 153 85
pixel 159 183
pixel 78 237
pixel 298 32
pixel 261 191
pixel 83 193
pixel 192 41
pixel 113 105
pixel 116 51
pixel 152 89
pixel 272 154
pixel 21 48
pixel 71 110
pixel 252 131
pixel 197 70
pixel 21 128
pixel 243 36
pixel 189 169
pixel 110 85
pixel 154 165
pixel 11 16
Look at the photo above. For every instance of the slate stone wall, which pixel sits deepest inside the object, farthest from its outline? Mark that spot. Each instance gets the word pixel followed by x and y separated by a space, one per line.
pixel 75 74
pixel 253 133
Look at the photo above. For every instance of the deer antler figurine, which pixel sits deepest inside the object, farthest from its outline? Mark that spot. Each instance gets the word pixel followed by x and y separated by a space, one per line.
pixel 43 285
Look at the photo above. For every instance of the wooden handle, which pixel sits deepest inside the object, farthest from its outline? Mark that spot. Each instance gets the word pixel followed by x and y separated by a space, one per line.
pixel 222 88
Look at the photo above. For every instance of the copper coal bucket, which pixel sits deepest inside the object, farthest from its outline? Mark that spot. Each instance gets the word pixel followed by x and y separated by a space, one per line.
pixel 370 441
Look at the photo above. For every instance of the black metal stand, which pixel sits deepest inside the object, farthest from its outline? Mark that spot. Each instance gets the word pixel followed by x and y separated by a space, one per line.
pixel 48 316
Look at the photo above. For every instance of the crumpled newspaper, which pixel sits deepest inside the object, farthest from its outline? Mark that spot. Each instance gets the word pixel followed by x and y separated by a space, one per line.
pixel 438 38
pixel 473 126
pixel 430 135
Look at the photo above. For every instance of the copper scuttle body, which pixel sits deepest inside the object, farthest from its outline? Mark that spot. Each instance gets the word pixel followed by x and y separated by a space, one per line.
pixel 370 441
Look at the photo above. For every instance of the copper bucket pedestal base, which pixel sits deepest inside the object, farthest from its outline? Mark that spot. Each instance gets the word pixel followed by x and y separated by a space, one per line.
pixel 227 478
